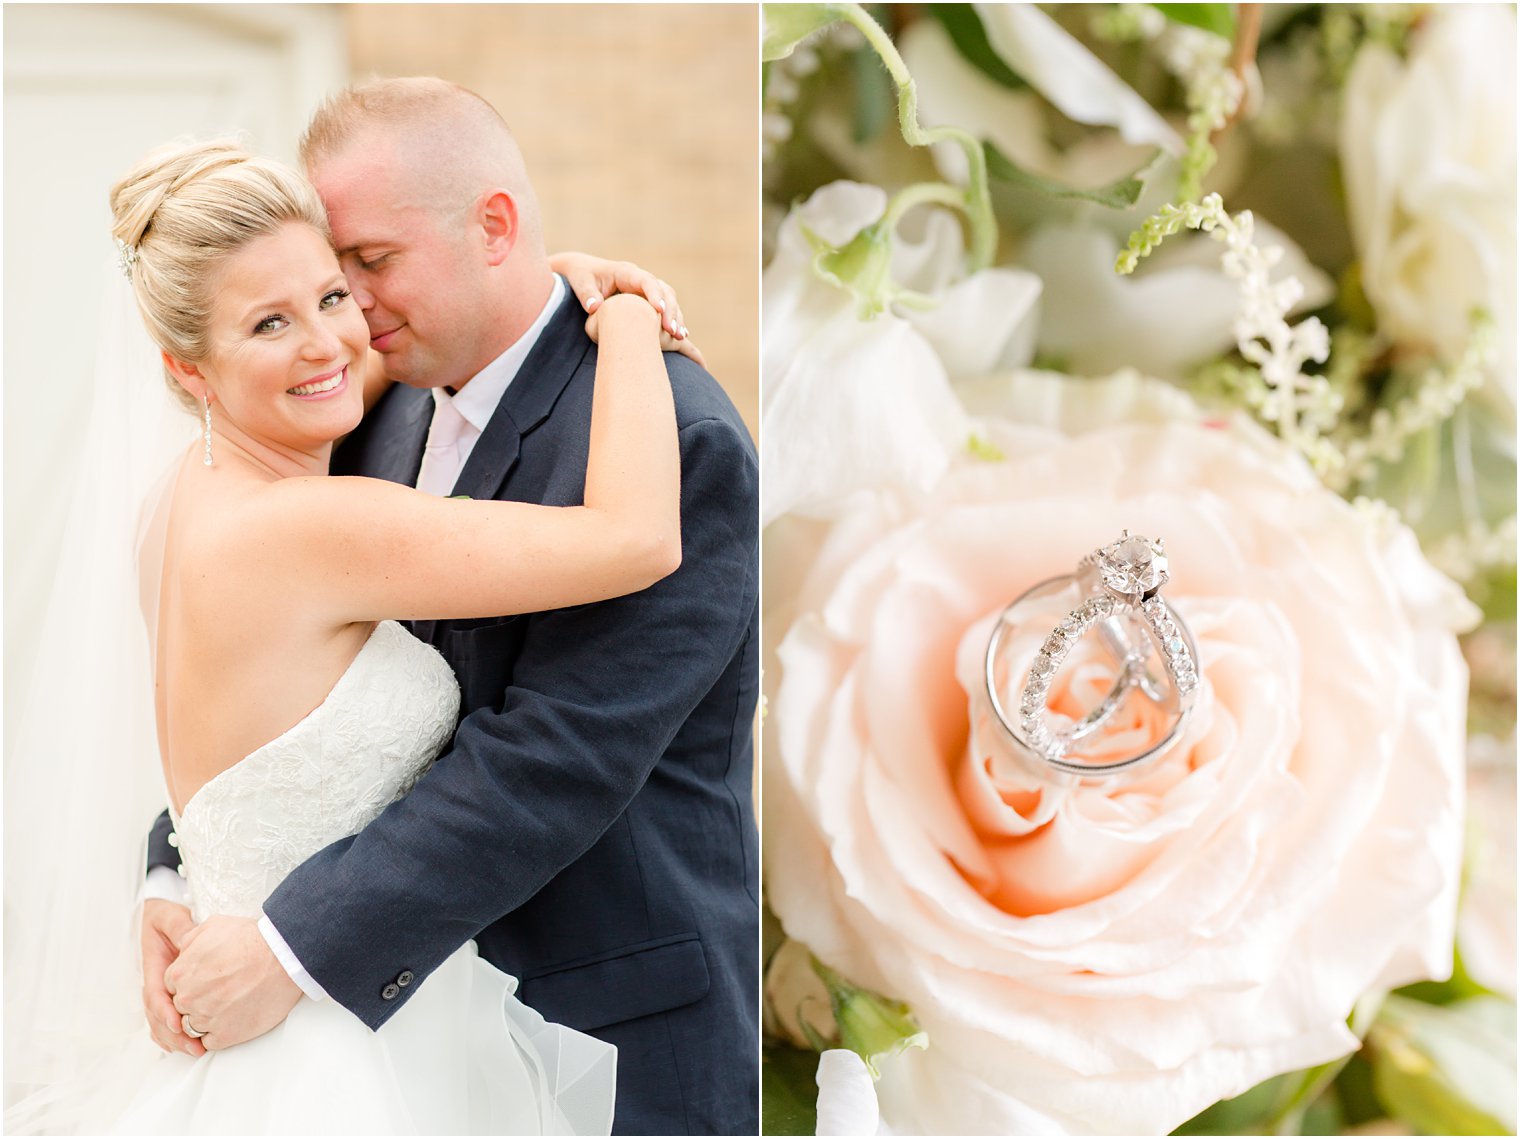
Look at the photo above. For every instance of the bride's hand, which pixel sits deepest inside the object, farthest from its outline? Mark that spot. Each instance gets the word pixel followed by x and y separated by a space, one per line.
pixel 164 924
pixel 593 279
pixel 684 346
pixel 228 981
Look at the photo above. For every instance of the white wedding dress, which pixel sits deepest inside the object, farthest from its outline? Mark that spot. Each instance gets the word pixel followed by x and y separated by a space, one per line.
pixel 461 1056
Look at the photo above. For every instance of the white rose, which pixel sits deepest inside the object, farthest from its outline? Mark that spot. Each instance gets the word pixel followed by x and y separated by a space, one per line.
pixel 1428 150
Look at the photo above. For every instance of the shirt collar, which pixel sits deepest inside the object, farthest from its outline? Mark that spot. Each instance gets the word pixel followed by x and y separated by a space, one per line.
pixel 477 400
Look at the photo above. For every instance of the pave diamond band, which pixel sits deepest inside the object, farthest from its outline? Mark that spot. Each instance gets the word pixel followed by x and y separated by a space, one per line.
pixel 1118 589
pixel 1177 647
pixel 1032 715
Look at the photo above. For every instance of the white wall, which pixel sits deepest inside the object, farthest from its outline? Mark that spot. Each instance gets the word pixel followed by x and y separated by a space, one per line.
pixel 89 89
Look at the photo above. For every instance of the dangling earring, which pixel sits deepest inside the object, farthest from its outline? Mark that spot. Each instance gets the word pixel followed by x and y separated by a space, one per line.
pixel 207 405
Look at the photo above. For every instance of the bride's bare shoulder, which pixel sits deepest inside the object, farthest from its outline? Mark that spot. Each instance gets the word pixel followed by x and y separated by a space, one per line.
pixel 239 525
pixel 292 515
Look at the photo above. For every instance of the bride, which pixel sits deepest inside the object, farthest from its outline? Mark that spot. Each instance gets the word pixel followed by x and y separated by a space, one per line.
pixel 290 705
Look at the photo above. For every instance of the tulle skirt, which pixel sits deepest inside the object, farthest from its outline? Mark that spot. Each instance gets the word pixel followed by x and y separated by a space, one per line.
pixel 463 1056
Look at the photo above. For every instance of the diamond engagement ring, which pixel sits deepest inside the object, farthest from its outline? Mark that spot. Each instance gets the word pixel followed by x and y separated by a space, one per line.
pixel 1119 589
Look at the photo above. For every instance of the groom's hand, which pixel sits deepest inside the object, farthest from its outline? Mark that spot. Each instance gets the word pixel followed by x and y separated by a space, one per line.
pixel 163 925
pixel 229 983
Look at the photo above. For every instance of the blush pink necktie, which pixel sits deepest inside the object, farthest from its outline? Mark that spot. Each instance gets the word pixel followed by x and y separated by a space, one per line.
pixel 440 458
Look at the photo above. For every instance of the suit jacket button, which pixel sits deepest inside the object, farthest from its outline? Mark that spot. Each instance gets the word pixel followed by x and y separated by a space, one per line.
pixel 405 979
pixel 390 992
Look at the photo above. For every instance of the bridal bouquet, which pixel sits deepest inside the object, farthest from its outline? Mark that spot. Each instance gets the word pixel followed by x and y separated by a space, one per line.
pixel 1239 276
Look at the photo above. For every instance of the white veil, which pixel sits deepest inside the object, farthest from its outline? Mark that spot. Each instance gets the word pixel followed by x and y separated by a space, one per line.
pixel 83 782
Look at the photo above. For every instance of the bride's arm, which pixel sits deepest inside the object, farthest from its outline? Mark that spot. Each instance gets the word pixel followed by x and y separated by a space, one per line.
pixel 368 549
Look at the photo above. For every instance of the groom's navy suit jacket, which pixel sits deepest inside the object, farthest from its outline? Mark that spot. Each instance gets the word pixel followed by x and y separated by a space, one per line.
pixel 591 826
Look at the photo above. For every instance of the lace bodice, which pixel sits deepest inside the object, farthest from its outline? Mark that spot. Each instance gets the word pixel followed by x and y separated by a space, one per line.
pixel 362 748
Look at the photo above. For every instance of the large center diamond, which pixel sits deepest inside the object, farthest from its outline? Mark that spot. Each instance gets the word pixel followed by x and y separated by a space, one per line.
pixel 1133 565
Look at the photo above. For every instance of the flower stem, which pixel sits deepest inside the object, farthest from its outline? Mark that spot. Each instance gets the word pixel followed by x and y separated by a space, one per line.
pixel 918 194
pixel 976 199
pixel 1243 51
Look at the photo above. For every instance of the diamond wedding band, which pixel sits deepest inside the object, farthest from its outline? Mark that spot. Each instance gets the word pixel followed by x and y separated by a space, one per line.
pixel 1120 589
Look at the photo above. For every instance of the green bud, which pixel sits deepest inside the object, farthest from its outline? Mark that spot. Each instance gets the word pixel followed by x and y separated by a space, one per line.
pixel 863 265
pixel 870 1025
pixel 982 449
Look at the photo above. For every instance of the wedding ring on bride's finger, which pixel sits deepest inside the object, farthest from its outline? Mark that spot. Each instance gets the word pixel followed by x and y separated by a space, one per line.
pixel 1116 590
pixel 190 1030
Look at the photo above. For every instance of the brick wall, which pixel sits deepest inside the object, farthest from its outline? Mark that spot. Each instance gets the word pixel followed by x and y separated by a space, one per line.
pixel 639 124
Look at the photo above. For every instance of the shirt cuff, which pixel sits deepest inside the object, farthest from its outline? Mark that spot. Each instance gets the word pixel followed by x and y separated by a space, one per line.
pixel 167 886
pixel 287 959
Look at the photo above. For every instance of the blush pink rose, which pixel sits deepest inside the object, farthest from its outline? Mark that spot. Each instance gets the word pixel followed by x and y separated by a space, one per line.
pixel 1113 957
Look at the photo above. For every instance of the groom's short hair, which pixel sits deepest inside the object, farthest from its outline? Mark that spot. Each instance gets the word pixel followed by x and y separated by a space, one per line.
pixel 417 100
pixel 468 138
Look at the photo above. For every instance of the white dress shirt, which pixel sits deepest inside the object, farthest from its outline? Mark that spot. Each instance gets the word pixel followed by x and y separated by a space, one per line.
pixel 460 417
pixel 450 442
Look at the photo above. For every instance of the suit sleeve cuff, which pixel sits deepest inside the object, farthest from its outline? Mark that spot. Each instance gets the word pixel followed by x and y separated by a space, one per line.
pixel 287 959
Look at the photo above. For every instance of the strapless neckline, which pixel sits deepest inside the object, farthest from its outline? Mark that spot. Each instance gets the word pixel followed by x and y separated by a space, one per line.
pixel 326 777
pixel 300 725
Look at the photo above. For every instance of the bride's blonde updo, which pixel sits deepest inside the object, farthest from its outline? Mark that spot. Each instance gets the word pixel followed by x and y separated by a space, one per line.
pixel 183 209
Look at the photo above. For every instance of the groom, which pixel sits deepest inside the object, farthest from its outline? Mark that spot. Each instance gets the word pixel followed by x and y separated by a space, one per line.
pixel 591 826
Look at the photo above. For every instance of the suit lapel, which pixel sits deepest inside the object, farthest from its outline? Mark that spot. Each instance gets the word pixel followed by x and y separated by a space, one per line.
pixel 388 444
pixel 527 402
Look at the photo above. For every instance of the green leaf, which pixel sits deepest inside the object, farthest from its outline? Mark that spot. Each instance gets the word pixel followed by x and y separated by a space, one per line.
pixel 1116 195
pixel 815 1039
pixel 1324 1116
pixel 970 39
pixel 788 1091
pixel 1447 1069
pixel 870 1025
pixel 772 936
pixel 1354 1088
pixel 1246 1113
pixel 787 25
pixel 1459 986
pixel 1496 593
pixel 1216 18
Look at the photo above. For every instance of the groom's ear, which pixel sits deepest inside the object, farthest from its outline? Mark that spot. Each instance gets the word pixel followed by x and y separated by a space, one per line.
pixel 186 374
pixel 498 220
